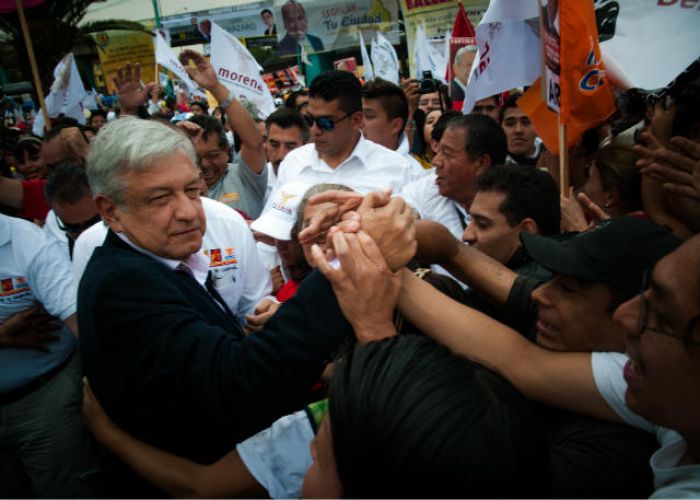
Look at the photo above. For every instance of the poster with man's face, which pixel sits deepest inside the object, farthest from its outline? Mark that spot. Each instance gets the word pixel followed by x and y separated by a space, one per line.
pixel 318 25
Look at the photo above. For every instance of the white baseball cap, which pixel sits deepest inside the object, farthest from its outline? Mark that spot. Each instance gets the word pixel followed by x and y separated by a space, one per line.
pixel 280 218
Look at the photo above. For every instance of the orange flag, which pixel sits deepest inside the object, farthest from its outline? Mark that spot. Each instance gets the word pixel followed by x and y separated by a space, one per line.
pixel 584 94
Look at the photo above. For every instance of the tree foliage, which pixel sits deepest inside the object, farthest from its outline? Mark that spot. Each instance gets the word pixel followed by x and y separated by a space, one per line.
pixel 53 28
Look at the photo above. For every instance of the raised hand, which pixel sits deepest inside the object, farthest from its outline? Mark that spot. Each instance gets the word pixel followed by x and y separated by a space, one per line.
pixel 202 72
pixel 128 85
pixel 366 289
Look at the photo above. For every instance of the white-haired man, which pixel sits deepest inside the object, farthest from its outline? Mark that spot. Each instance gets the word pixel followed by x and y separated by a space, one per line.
pixel 161 348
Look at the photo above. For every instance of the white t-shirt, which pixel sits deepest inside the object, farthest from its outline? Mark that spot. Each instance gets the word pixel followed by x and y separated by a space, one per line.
pixel 279 456
pixel 33 269
pixel 237 272
pixel 370 167
pixel 670 480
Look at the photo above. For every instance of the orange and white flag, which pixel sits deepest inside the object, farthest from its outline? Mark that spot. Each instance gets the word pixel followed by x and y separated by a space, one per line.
pixel 576 83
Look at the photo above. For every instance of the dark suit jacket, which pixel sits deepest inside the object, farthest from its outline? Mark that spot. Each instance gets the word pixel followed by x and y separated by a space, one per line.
pixel 173 369
pixel 456 92
pixel 289 45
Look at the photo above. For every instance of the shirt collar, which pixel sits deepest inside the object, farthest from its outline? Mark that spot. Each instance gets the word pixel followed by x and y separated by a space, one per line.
pixel 196 263
pixel 358 152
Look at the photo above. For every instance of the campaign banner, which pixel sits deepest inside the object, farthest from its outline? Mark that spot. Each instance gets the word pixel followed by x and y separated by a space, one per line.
pixel 238 70
pixel 436 17
pixel 319 25
pixel 116 48
pixel 242 21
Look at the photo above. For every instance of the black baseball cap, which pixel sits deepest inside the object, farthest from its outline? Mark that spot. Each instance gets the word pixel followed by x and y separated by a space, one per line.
pixel 616 252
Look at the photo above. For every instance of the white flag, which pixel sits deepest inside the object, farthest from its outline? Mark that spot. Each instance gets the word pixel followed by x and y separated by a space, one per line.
pixel 366 61
pixel 167 58
pixel 635 43
pixel 238 70
pixel 509 54
pixel 66 96
pixel 647 44
pixel 426 57
pixel 384 58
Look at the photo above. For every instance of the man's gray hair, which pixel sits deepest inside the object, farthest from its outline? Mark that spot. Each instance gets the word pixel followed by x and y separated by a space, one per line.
pixel 131 144
pixel 464 50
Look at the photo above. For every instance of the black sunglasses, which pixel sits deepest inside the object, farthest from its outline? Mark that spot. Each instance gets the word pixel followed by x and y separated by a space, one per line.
pixel 325 123
pixel 76 229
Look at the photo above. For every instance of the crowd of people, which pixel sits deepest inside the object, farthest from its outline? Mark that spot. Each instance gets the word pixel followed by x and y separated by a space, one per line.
pixel 365 294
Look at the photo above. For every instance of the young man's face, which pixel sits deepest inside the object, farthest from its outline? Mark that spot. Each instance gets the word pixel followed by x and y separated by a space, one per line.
pixel 519 132
pixel 267 19
pixel 280 141
pixel 576 315
pixel 487 106
pixel 332 142
pixel 489 230
pixel 663 373
pixel 377 126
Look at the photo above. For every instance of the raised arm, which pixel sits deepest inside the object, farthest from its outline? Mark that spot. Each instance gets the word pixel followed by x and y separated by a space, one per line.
pixel 436 245
pixel 240 120
pixel 559 379
pixel 11 192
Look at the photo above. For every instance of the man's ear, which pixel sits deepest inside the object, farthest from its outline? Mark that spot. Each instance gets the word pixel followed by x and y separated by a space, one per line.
pixel 109 211
pixel 529 226
pixel 397 125
pixel 357 120
pixel 482 163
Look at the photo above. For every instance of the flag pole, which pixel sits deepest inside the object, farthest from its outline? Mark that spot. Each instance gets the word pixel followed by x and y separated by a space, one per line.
pixel 563 162
pixel 32 63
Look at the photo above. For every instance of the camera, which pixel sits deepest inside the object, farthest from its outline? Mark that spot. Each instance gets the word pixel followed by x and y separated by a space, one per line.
pixel 427 84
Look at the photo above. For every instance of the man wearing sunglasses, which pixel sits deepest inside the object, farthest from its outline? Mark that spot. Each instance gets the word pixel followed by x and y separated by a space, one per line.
pixel 339 153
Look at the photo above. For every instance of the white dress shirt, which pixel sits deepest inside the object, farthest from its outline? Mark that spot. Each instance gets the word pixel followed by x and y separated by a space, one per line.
pixel 370 167
pixel 227 246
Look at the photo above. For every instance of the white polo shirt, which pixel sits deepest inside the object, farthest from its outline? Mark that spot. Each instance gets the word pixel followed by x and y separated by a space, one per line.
pixel 33 268
pixel 424 195
pixel 370 167
pixel 228 245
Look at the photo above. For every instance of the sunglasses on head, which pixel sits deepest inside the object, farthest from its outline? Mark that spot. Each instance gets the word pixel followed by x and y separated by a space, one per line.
pixel 325 123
